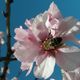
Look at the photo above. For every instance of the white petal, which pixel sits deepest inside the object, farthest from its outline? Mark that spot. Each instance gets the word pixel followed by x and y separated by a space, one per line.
pixel 26 66
pixel 75 29
pixel 30 69
pixel 70 50
pixel 71 37
pixel 45 69
pixel 71 75
pixel 65 75
pixel 68 58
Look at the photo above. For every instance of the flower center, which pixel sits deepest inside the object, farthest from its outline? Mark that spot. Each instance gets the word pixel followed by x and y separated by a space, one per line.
pixel 52 43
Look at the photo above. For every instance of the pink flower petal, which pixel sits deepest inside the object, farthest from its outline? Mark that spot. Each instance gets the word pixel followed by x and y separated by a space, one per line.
pixel 68 58
pixel 52 26
pixel 66 25
pixel 26 52
pixel 39 22
pixel 43 32
pixel 38 29
pixel 54 11
pixel 24 49
pixel 40 58
pixel 22 34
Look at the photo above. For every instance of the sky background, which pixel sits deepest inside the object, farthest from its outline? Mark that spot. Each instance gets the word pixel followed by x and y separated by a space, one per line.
pixel 22 9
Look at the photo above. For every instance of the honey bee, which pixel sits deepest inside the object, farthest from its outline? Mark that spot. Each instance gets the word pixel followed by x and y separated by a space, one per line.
pixel 52 43
pixel 56 41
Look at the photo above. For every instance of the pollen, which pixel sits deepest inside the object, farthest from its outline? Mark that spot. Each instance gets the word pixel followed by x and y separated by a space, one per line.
pixel 46 44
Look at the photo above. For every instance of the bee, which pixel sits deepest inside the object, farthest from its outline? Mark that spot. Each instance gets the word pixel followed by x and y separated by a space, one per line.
pixel 52 43
pixel 56 41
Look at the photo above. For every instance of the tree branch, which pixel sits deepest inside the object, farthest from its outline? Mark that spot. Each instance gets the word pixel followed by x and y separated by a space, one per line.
pixel 9 51
pixel 5 58
pixel 36 79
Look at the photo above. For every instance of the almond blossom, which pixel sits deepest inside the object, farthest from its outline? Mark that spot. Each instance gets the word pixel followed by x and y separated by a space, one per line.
pixel 1 38
pixel 44 42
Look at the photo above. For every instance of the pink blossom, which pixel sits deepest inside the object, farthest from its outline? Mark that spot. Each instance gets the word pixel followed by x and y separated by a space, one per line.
pixel 44 43
pixel 1 38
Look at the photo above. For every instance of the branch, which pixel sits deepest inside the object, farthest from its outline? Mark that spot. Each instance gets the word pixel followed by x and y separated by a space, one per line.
pixel 36 79
pixel 9 51
pixel 5 58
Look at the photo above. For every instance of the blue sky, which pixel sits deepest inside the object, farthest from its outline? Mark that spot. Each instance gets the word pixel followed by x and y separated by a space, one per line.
pixel 22 9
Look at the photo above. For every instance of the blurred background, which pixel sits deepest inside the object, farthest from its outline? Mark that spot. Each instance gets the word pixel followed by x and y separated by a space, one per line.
pixel 22 9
